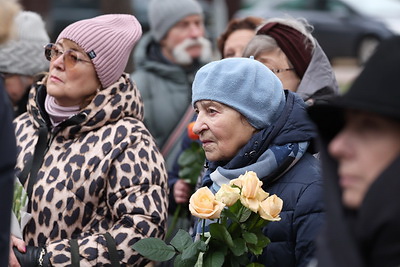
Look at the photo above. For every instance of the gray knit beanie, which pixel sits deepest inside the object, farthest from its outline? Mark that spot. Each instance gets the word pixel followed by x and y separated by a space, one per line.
pixel 245 85
pixel 164 14
pixel 24 53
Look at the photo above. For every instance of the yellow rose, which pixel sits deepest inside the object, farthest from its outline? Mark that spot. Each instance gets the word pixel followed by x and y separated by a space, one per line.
pixel 252 193
pixel 238 181
pixel 270 208
pixel 254 203
pixel 203 204
pixel 228 195
pixel 250 185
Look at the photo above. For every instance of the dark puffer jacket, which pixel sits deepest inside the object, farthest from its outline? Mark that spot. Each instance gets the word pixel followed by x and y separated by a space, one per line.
pixel 299 186
pixel 97 172
pixel 7 162
pixel 293 238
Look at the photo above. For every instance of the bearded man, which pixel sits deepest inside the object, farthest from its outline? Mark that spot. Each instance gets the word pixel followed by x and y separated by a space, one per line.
pixel 166 60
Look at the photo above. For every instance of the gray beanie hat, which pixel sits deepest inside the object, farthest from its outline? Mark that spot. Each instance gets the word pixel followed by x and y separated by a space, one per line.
pixel 164 14
pixel 24 53
pixel 245 85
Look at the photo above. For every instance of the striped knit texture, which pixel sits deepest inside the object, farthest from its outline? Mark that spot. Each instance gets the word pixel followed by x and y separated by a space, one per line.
pixel 110 39
pixel 24 54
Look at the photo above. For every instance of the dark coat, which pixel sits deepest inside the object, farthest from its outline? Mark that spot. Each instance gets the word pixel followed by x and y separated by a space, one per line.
pixel 7 163
pixel 369 236
pixel 292 238
pixel 300 187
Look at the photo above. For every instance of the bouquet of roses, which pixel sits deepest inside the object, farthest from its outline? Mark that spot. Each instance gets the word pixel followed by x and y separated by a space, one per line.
pixel 239 211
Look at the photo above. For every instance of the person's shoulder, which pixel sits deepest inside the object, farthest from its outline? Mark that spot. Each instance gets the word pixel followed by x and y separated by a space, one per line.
pixel 307 170
pixel 306 180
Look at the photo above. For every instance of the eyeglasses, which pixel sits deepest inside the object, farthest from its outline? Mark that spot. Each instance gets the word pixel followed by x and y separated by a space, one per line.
pixel 276 71
pixel 70 57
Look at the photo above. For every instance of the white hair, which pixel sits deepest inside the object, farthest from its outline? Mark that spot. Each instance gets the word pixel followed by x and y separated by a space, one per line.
pixel 182 57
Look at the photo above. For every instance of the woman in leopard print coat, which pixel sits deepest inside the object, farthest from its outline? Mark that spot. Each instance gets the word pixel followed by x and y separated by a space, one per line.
pixel 96 178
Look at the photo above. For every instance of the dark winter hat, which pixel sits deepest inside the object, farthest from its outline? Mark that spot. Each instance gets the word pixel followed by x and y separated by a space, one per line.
pixel 375 90
pixel 164 14
pixel 244 84
pixel 296 46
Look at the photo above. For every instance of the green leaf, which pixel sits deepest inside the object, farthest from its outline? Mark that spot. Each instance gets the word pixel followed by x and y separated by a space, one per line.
pixel 202 246
pixel 263 241
pixel 193 250
pixel 245 215
pixel 233 262
pixel 236 207
pixel 243 260
pixel 258 248
pixel 216 246
pixel 154 249
pixel 187 157
pixel 193 154
pixel 239 248
pixel 220 233
pixel 181 240
pixel 214 259
pixel 233 216
pixel 185 172
pixel 191 163
pixel 250 238
pixel 179 262
pixel 260 223
pixel 191 173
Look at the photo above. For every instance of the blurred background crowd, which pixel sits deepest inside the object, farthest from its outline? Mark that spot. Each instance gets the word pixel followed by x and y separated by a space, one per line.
pixel 315 56
pixel 347 30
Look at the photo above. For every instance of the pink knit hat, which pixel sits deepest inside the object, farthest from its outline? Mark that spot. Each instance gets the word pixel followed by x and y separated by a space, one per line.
pixel 108 40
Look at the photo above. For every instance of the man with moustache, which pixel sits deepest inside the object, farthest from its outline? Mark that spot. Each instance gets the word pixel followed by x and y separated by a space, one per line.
pixel 166 60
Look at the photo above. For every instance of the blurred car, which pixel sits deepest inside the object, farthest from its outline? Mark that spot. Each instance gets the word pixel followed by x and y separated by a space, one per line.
pixel 344 28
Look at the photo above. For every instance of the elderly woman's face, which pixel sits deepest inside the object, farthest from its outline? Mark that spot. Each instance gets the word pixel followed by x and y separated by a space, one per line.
pixel 222 130
pixel 71 85
pixel 279 64
pixel 366 145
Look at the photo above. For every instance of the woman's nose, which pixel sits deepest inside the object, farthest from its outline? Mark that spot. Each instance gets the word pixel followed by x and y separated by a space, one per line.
pixel 199 125
pixel 59 62
pixel 340 147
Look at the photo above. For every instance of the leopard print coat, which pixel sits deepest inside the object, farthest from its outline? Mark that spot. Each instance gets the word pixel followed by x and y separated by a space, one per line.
pixel 100 172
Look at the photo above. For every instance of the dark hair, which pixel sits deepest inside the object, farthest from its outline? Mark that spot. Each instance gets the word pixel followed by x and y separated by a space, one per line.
pixel 247 23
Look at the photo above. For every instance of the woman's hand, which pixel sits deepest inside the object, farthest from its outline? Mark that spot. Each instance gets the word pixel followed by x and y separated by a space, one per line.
pixel 20 246
pixel 181 192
